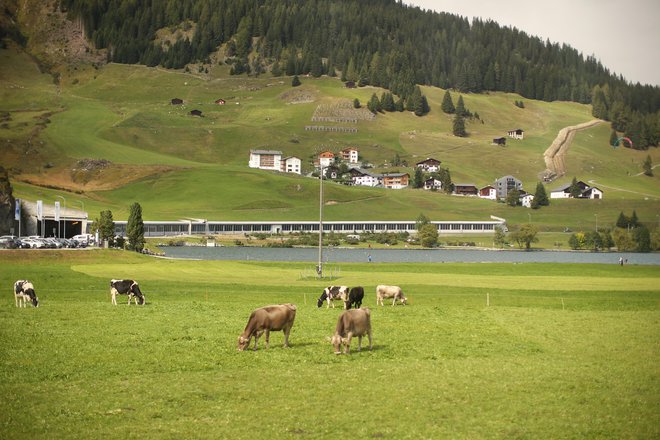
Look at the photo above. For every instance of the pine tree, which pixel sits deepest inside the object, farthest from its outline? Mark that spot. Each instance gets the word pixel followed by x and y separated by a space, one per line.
pixel 135 228
pixel 622 221
pixel 574 190
pixel 295 82
pixel 418 180
pixel 634 222
pixel 106 226
pixel 459 126
pixel 447 105
pixel 460 106
pixel 540 196
pixel 613 138
pixel 647 166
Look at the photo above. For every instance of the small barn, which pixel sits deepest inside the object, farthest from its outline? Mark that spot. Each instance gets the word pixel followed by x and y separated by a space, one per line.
pixel 466 189
pixel 350 84
pixel 220 101
pixel 518 133
pixel 176 101
pixel 196 113
pixel 499 141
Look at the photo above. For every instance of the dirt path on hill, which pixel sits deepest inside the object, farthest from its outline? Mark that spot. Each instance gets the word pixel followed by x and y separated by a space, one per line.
pixel 555 155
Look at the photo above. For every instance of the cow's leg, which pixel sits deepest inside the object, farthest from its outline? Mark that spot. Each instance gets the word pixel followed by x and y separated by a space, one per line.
pixel 256 339
pixel 287 330
pixel 113 293
pixel 347 347
pixel 360 343
pixel 394 301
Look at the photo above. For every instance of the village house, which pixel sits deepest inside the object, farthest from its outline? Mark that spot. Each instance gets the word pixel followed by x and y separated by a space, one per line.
pixel 291 164
pixel 505 184
pixel 266 159
pixel 465 189
pixel 326 158
pixel 220 101
pixel 526 200
pixel 429 165
pixel 360 177
pixel 586 192
pixel 432 184
pixel 350 155
pixel 176 101
pixel 488 192
pixel 518 133
pixel 395 180
pixel 499 141
pixel 196 112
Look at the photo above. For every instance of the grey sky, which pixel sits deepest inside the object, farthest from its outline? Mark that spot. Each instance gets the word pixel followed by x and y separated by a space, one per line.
pixel 623 35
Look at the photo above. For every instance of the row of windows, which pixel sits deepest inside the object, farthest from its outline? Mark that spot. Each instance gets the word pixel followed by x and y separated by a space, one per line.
pixel 165 229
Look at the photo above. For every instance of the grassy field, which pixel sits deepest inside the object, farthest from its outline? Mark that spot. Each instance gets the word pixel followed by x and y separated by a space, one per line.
pixel 177 166
pixel 562 351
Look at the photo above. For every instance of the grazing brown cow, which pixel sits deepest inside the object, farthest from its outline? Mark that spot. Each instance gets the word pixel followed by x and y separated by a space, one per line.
pixel 394 292
pixel 267 319
pixel 353 322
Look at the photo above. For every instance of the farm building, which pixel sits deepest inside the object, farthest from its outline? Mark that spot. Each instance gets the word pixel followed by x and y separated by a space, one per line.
pixel 266 159
pixel 465 189
pixel 586 192
pixel 518 133
pixel 220 101
pixel 196 113
pixel 360 177
pixel 526 200
pixel 176 101
pixel 499 141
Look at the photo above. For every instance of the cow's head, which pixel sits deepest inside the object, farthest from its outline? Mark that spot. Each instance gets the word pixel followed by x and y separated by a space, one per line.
pixel 243 343
pixel 336 342
pixel 322 299
pixel 33 297
pixel 138 293
pixel 403 300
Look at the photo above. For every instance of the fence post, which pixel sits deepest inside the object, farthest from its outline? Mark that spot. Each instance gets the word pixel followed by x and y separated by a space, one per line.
pixel 487 299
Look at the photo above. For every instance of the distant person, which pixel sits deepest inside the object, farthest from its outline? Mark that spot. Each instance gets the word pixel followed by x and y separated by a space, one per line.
pixel 369 258
pixel 621 261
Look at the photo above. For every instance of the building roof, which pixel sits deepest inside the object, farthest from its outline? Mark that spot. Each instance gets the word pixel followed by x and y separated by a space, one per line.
pixel 265 152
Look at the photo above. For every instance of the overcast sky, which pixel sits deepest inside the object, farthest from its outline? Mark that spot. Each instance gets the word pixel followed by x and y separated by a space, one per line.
pixel 623 35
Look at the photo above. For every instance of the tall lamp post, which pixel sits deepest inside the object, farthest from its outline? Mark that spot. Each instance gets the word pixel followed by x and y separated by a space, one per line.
pixel 64 215
pixel 319 268
pixel 82 208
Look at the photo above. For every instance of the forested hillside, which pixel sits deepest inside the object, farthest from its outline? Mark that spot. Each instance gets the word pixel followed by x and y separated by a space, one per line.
pixel 372 42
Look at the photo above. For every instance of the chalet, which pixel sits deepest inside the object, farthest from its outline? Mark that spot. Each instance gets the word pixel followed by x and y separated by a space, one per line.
pixel 291 164
pixel 518 133
pixel 266 159
pixel 429 165
pixel 350 155
pixel 363 178
pixel 326 158
pixel 499 141
pixel 586 192
pixel 488 192
pixel 332 172
pixel 176 101
pixel 220 101
pixel 196 113
pixel 526 200
pixel 465 189
pixel 396 180
pixel 432 184
pixel 505 184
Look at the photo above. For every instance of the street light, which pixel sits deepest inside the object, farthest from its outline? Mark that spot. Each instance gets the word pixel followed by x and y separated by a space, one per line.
pixel 64 214
pixel 82 208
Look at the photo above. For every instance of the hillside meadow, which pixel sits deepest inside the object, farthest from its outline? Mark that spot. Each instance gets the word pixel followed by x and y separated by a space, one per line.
pixel 179 166
pixel 560 351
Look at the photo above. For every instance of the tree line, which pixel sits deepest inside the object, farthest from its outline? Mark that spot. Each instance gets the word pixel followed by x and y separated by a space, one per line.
pixel 372 42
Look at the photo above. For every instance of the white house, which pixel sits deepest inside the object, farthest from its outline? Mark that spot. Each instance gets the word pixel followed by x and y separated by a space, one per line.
pixel 429 165
pixel 326 159
pixel 432 184
pixel 350 155
pixel 364 178
pixel 488 192
pixel 592 193
pixel 526 200
pixel 586 192
pixel 291 164
pixel 266 159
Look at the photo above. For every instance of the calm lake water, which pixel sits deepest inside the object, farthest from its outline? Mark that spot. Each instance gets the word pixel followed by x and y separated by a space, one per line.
pixel 347 255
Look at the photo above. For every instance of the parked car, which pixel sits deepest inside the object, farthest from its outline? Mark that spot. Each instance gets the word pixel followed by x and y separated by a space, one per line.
pixel 8 242
pixel 32 243
pixel 88 239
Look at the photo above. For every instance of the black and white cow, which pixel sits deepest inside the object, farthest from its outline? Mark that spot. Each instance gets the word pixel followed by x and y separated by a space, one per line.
pixel 23 292
pixel 126 287
pixel 354 298
pixel 333 293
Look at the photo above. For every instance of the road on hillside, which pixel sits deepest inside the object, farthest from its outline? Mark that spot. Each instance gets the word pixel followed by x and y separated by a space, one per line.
pixel 555 155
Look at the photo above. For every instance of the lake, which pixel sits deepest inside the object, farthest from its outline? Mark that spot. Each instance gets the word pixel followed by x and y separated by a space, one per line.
pixel 349 255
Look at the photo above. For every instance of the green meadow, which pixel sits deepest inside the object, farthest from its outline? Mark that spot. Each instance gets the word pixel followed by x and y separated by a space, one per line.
pixel 482 351
pixel 188 167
